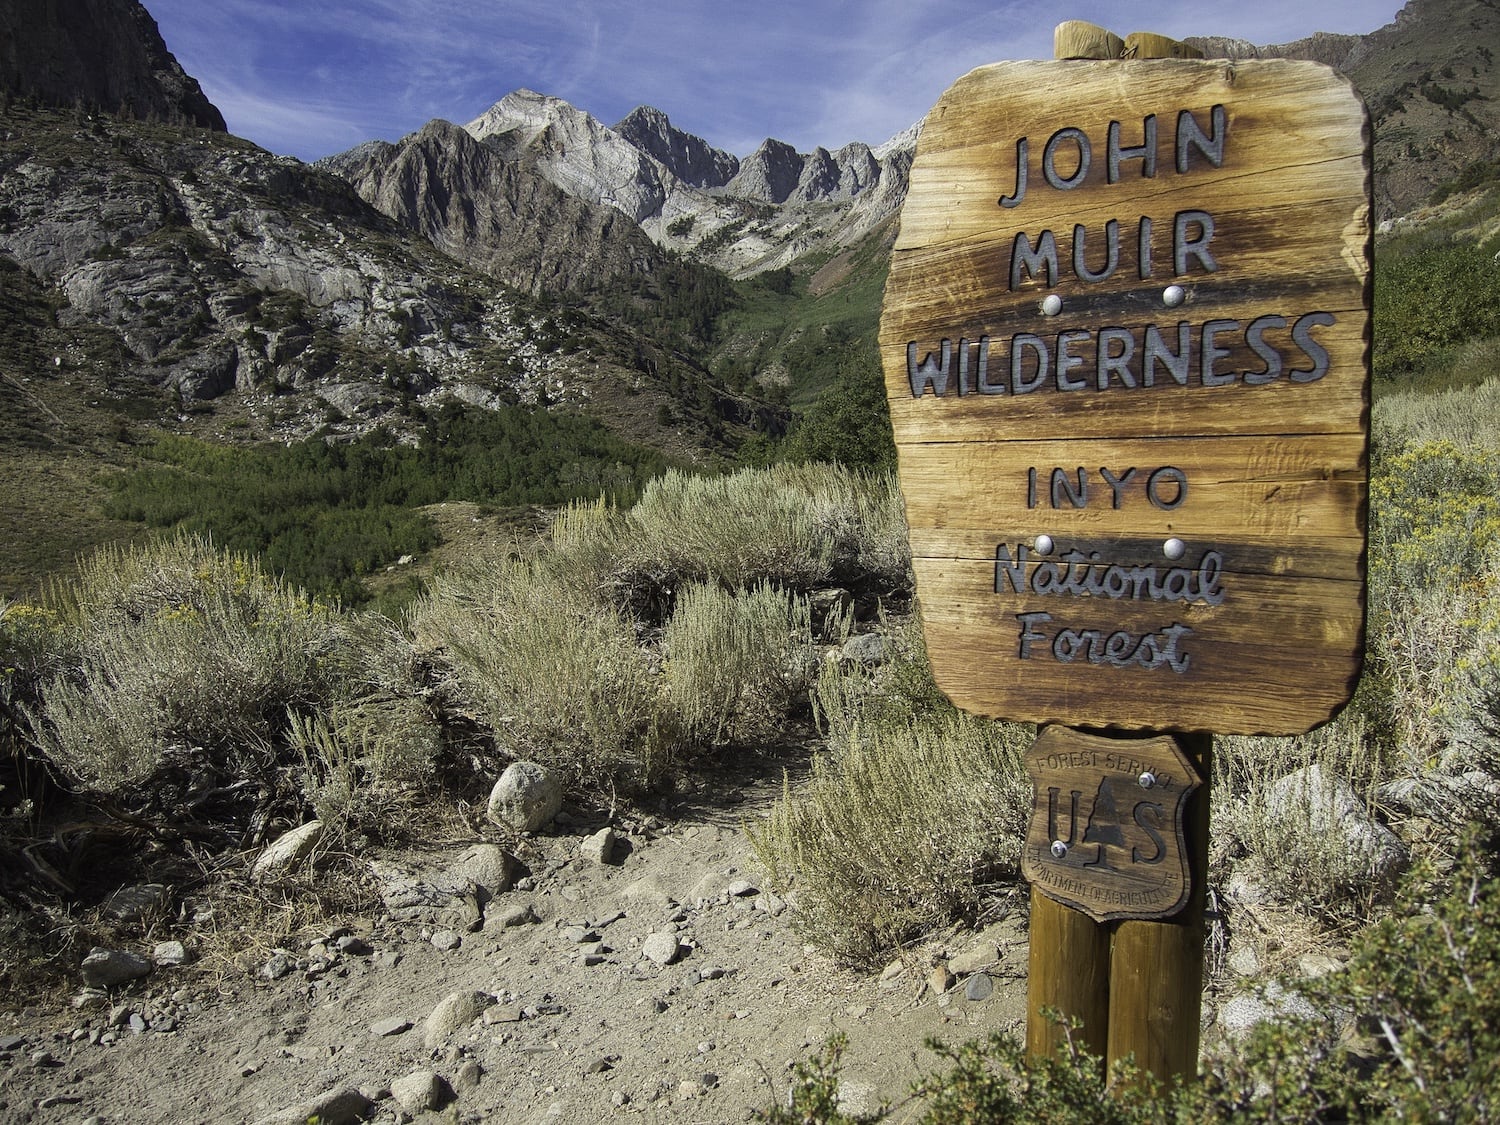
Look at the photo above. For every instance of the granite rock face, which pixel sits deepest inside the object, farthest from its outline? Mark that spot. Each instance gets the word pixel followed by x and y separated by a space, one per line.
pixel 103 53
pixel 691 159
pixel 499 215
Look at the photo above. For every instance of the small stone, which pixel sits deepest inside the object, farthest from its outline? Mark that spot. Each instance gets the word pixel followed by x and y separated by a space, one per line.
pixel 864 648
pixel 137 1024
pixel 770 902
pixel 466 915
pixel 980 955
pixel 741 887
pixel 164 1025
pixel 446 941
pixel 1243 961
pixel 858 1100
pixel 169 954
pixel 526 797
pixel 488 868
pixel 105 968
pixel 136 904
pixel 419 1092
pixel 391 1025
pixel 978 987
pixel 288 852
pixel 469 1075
pixel 600 847
pixel 277 966
pixel 661 948
pixel 12 1042
pixel 456 1012
pixel 940 980
pixel 519 914
pixel 1312 965
pixel 619 1099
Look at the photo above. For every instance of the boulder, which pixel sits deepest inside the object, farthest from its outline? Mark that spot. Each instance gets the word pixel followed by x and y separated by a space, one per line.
pixel 1331 806
pixel 526 797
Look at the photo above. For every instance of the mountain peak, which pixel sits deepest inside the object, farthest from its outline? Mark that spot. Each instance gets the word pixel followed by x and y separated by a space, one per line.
pixel 691 159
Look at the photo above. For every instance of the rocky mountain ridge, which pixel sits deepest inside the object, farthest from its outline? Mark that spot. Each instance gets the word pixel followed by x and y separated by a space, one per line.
pixel 101 54
pixel 741 217
pixel 1428 78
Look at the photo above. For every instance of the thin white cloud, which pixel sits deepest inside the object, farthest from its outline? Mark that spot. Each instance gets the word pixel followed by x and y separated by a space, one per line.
pixel 305 77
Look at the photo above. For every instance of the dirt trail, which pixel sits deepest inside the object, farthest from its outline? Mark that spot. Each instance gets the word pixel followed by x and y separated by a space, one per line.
pixel 577 1025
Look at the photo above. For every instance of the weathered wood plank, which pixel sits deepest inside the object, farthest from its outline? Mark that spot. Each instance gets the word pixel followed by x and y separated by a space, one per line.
pixel 1119 274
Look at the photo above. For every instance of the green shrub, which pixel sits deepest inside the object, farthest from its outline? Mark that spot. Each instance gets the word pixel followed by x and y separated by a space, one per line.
pixel 1429 299
pixel 736 662
pixel 939 810
pixel 797 526
pixel 173 647
pixel 558 677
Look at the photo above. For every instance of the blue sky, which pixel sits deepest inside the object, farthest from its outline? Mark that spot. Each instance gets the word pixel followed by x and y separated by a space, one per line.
pixel 308 78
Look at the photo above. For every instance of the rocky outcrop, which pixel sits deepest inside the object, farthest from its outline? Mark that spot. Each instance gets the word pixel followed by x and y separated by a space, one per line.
pixel 496 214
pixel 1321 47
pixel 575 151
pixel 1430 82
pixel 739 216
pixel 691 159
pixel 104 54
pixel 771 173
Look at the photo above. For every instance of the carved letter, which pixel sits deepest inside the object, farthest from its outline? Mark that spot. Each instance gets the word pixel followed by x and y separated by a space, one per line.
pixel 1190 134
pixel 1145 153
pixel 1015 200
pixel 1022 256
pixel 1049 158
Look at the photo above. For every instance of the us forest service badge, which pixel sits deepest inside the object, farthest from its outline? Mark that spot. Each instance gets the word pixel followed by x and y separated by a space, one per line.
pixel 1106 832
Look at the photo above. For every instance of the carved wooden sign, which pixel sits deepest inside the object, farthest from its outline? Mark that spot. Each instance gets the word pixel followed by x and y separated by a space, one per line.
pixel 1106 833
pixel 1125 343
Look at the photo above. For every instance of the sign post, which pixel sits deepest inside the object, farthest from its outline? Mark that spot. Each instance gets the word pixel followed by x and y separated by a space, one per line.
pixel 1125 340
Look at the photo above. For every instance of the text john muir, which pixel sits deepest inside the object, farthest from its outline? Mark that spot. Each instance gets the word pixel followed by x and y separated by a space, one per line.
pixel 1177 248
pixel 1165 353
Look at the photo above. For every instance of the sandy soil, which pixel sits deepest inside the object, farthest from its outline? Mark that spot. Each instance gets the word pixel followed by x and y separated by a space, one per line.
pixel 576 1024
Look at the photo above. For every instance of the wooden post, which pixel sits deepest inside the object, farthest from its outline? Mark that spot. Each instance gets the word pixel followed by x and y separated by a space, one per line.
pixel 1079 39
pixel 1136 987
pixel 1156 968
pixel 1067 970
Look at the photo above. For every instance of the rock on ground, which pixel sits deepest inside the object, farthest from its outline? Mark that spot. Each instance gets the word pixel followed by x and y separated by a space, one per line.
pixel 288 852
pixel 526 797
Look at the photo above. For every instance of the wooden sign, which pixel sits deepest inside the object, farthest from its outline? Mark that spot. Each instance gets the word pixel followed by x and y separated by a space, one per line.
pixel 1125 343
pixel 1106 834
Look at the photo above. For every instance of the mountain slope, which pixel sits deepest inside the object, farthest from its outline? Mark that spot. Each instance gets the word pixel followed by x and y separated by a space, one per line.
pixel 1430 81
pixel 106 54
pixel 495 214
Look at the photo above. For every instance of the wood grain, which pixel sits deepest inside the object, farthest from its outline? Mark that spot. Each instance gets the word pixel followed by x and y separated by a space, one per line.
pixel 1250 379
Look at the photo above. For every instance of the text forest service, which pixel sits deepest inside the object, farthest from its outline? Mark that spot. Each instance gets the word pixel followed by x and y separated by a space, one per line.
pixel 1125 344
